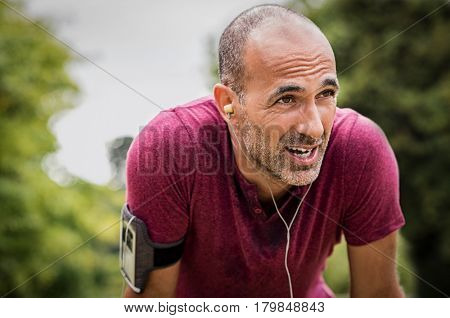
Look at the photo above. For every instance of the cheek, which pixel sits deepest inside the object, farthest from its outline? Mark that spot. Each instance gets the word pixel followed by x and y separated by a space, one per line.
pixel 327 116
pixel 276 129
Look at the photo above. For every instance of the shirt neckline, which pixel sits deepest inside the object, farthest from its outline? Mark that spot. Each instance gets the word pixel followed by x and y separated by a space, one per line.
pixel 251 190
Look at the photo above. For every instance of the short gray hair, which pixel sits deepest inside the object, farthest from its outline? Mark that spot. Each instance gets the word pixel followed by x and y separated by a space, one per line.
pixel 234 37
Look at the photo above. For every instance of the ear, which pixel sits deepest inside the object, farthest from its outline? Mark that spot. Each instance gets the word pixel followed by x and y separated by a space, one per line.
pixel 223 96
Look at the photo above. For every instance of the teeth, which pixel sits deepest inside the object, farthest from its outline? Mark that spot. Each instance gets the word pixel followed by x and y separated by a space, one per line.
pixel 303 155
pixel 300 152
pixel 300 149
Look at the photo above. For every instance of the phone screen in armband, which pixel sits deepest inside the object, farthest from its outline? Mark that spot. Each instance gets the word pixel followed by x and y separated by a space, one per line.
pixel 139 255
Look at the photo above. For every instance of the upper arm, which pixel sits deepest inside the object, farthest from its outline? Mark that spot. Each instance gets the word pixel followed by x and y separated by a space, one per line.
pixel 371 186
pixel 157 186
pixel 372 211
pixel 158 192
pixel 373 268
pixel 161 283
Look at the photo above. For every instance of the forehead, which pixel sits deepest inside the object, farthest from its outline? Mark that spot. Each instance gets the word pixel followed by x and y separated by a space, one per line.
pixel 287 51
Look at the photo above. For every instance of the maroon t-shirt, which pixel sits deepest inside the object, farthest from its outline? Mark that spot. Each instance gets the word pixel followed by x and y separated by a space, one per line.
pixel 183 181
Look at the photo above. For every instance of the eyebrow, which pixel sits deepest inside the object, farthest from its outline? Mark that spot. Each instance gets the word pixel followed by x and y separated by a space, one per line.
pixel 295 88
pixel 284 89
pixel 330 82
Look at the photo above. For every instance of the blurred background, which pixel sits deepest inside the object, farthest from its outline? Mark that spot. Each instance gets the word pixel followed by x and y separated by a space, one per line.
pixel 79 79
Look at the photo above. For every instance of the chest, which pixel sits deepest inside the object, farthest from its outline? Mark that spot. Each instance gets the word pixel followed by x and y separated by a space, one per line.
pixel 237 224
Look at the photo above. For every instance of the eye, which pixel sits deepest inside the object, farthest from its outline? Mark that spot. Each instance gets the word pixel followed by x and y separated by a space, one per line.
pixel 327 93
pixel 288 99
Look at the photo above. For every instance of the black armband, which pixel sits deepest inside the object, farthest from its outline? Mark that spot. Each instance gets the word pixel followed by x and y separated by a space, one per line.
pixel 139 255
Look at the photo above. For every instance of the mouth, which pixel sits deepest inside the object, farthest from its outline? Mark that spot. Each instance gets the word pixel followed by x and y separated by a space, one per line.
pixel 304 155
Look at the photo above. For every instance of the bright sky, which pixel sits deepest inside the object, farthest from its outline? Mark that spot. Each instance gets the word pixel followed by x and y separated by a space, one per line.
pixel 159 48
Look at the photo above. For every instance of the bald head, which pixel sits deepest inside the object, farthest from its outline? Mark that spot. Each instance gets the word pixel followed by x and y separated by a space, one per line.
pixel 252 26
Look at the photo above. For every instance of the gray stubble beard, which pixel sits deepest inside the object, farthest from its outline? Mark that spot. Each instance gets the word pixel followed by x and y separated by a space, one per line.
pixel 276 164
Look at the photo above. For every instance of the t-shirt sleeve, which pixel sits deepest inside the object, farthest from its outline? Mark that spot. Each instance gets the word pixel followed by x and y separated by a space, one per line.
pixel 372 192
pixel 158 179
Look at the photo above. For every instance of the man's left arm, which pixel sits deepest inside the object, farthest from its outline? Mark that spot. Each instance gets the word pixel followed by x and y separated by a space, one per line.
pixel 373 268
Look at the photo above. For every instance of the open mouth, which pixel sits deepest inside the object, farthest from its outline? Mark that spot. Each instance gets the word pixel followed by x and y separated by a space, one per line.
pixel 303 156
pixel 301 152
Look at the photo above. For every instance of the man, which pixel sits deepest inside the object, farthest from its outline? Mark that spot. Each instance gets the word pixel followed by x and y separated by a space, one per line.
pixel 261 180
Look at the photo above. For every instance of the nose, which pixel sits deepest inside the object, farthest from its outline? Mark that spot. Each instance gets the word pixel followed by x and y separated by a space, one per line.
pixel 309 122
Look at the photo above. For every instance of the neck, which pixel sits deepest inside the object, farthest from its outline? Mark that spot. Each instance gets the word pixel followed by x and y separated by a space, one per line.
pixel 259 178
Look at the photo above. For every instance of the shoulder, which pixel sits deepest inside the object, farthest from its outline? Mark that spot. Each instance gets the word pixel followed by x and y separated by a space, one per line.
pixel 174 137
pixel 199 112
pixel 366 135
pixel 184 123
pixel 181 123
pixel 371 183
pixel 367 142
pixel 357 135
pixel 354 128
pixel 368 155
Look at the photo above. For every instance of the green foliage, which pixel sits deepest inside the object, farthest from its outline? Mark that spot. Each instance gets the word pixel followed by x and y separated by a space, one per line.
pixel 403 85
pixel 42 221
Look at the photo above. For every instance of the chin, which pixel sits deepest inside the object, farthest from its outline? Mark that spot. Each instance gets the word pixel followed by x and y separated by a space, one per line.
pixel 301 177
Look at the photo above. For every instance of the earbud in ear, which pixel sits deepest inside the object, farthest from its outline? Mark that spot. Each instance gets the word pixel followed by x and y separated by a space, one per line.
pixel 228 109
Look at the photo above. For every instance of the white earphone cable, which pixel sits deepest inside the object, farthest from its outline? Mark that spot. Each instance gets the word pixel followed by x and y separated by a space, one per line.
pixel 288 235
pixel 288 227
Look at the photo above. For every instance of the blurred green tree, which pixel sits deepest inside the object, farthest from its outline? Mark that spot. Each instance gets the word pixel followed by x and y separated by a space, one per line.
pixel 41 220
pixel 393 62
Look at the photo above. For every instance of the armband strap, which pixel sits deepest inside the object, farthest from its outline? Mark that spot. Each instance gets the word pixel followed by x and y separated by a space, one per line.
pixel 139 255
